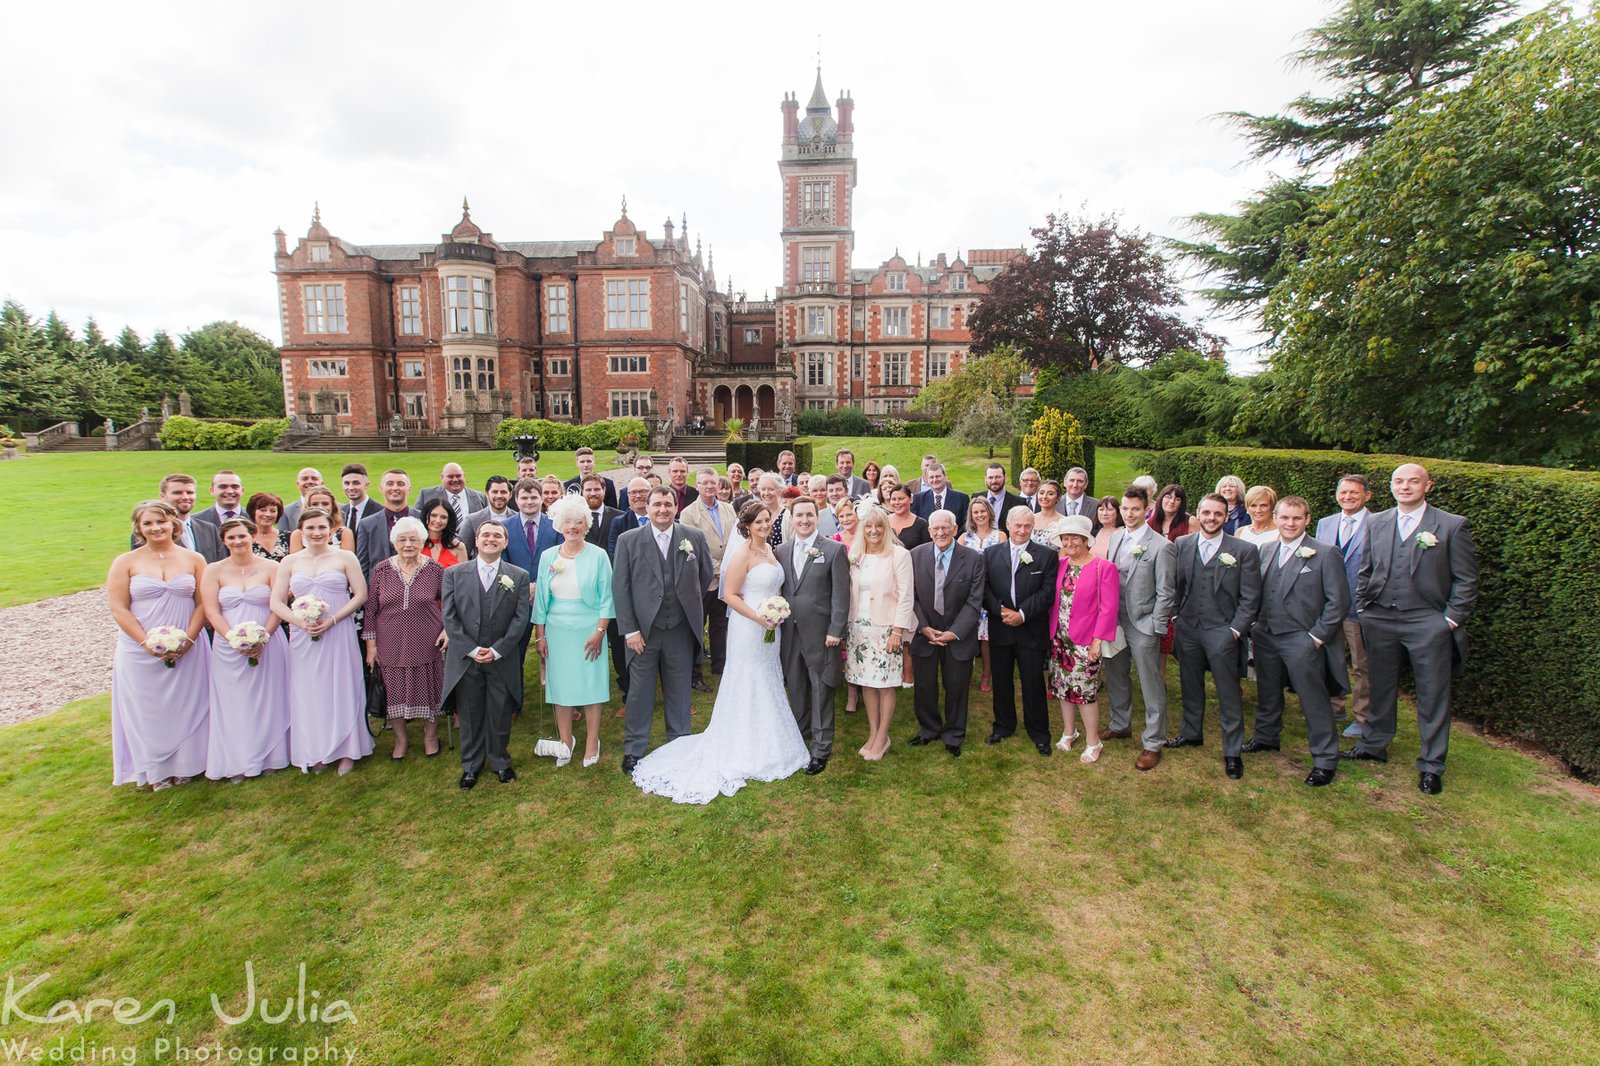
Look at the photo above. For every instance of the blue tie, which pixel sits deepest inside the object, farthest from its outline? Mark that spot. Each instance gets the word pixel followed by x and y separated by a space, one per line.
pixel 643 519
pixel 716 520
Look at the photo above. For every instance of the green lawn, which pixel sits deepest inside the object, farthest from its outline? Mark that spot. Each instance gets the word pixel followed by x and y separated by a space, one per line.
pixel 71 510
pixel 997 908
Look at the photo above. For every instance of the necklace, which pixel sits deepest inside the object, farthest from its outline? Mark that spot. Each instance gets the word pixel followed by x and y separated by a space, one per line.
pixel 564 555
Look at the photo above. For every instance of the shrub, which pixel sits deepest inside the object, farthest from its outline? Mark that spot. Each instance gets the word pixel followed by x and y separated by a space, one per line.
pixel 922 429
pixel 812 423
pixel 764 453
pixel 1053 444
pixel 180 433
pixel 848 421
pixel 565 436
pixel 1534 670
pixel 892 427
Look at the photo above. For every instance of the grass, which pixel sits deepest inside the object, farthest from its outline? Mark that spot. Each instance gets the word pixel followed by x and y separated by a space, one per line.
pixel 73 508
pixel 997 908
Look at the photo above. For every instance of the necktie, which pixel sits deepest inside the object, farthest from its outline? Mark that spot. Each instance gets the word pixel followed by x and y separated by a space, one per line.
pixel 1016 553
pixel 661 542
pixel 350 514
pixel 486 575
pixel 461 511
pixel 938 582
pixel 1408 522
pixel 227 516
pixel 716 519
pixel 188 535
pixel 1207 547
pixel 642 521
pixel 799 558
pixel 531 531
pixel 938 501
pixel 1346 527
pixel 1283 555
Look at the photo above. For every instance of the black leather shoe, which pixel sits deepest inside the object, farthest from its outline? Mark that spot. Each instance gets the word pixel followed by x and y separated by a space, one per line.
pixel 506 776
pixel 1256 745
pixel 995 738
pixel 1042 747
pixel 1233 766
pixel 699 686
pixel 919 740
pixel 628 763
pixel 1319 777
pixel 954 750
pixel 468 780
pixel 1431 783
pixel 1358 755
pixel 816 766
pixel 1185 742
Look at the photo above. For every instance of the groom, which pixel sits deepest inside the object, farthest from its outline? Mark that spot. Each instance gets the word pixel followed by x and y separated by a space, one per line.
pixel 816 582
pixel 659 579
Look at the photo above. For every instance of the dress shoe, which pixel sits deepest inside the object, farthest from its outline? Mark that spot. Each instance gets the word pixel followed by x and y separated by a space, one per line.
pixel 919 740
pixel 1147 760
pixel 1319 777
pixel 995 738
pixel 1256 745
pixel 1431 783
pixel 1115 734
pixel 1185 742
pixel 1361 755
pixel 1042 747
pixel 699 685
pixel 506 776
pixel 1233 766
pixel 628 763
pixel 816 766
pixel 954 750
pixel 468 780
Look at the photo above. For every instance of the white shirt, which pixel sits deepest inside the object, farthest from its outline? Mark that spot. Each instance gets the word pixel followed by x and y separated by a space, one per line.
pixel 1131 539
pixel 663 536
pixel 487 573
pixel 1407 523
pixel 800 549
pixel 1288 548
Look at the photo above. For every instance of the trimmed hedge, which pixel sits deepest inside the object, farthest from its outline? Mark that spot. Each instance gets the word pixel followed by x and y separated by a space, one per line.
pixel 567 437
pixel 764 453
pixel 1533 667
pixel 1016 466
pixel 180 433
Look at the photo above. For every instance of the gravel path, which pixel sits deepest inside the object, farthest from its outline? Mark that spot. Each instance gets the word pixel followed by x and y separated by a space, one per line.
pixel 53 652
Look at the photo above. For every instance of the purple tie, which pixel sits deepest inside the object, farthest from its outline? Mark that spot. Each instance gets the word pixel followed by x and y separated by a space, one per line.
pixel 531 531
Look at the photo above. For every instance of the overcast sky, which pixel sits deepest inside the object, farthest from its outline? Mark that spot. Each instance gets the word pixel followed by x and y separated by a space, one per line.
pixel 152 148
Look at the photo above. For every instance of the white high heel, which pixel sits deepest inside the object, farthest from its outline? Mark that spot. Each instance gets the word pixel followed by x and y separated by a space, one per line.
pixel 588 762
pixel 1066 742
pixel 1091 753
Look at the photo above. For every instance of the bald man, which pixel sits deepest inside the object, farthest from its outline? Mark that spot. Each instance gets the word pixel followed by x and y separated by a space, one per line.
pixel 452 488
pixel 307 479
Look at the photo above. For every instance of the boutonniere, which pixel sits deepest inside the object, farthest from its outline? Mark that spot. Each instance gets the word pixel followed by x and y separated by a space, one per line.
pixel 1025 559
pixel 1138 550
pixel 1426 540
pixel 1227 560
pixel 506 582
pixel 558 565
pixel 813 553
pixel 686 548
pixel 1306 552
pixel 855 560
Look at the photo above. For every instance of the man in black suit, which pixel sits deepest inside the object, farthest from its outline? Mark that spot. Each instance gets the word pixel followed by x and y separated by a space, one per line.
pixel 1001 499
pixel 1028 489
pixel 594 488
pixel 937 495
pixel 948 582
pixel 1019 593
pixel 227 490
pixel 373 545
pixel 844 463
pixel 786 469
pixel 353 479
pixel 585 460
pixel 452 488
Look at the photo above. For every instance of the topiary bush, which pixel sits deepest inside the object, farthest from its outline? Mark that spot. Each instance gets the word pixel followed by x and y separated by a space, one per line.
pixel 1053 444
pixel 1534 666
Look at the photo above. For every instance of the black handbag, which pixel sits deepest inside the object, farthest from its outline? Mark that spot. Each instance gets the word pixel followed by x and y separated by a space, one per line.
pixel 377 695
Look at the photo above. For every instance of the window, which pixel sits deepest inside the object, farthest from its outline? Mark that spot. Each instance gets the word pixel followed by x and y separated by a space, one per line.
pixel 892 407
pixel 628 303
pixel 818 369
pixel 894 368
pixel 412 368
pixel 816 195
pixel 560 366
pixel 469 372
pixel 819 405
pixel 683 307
pixel 341 403
pixel 320 253
pixel 958 283
pixel 416 404
pixel 896 322
pixel 327 368
pixel 816 264
pixel 561 404
pixel 938 365
pixel 938 318
pixel 896 281
pixel 410 310
pixel 630 403
pixel 716 331
pixel 324 308
pixel 816 322
pixel 856 363
pixel 468 305
pixel 860 319
pixel 625 246
pixel 555 297
pixel 752 336
pixel 629 364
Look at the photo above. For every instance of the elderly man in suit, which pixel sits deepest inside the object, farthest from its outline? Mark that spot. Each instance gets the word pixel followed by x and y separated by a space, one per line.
pixel 452 488
pixel 715 520
pixel 1019 593
pixel 1304 598
pixel 1147 594
pixel 816 582
pixel 1218 592
pixel 373 545
pixel 658 584
pixel 1414 594
pixel 485 612
pixel 937 495
pixel 307 479
pixel 948 583
pixel 1347 531
pixel 1001 499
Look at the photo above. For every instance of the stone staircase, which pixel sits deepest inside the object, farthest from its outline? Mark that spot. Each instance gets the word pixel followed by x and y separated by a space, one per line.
pixel 80 444
pixel 334 445
pixel 700 450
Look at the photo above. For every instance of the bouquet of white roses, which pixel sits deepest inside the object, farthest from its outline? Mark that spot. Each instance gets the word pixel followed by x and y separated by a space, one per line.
pixel 308 609
pixel 247 635
pixel 164 640
pixel 773 609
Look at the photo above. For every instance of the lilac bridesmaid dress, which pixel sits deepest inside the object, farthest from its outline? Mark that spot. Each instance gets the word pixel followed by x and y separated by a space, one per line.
pixel 159 714
pixel 327 698
pixel 249 704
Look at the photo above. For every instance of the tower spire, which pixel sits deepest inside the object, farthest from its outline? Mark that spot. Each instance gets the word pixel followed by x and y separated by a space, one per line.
pixel 466 212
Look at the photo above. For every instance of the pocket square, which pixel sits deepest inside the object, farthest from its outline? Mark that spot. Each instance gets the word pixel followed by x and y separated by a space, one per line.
pixel 1305 569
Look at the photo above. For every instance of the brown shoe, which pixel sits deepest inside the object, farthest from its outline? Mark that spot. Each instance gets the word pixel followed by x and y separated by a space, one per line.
pixel 1115 734
pixel 1147 760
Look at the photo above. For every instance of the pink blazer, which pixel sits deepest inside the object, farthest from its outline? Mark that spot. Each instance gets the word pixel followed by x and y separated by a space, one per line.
pixel 891 606
pixel 1094 602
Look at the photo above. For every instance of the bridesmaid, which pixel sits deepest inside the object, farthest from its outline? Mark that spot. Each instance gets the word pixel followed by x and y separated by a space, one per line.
pixel 159 702
pixel 342 536
pixel 249 704
pixel 327 700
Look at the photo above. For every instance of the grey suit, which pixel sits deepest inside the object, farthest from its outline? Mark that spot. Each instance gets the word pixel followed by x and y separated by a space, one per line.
pixel 1303 603
pixel 1216 607
pixel 1354 551
pixel 372 540
pixel 662 599
pixel 1404 595
pixel 965 582
pixel 819 608
pixel 485 695
pixel 1148 593
pixel 469 534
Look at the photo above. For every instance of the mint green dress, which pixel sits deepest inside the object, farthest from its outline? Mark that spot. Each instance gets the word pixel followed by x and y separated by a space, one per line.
pixel 571 601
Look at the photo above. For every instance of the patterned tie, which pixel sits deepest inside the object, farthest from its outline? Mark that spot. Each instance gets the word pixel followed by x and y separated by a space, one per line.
pixel 938 582
pixel 460 509
pixel 531 531
pixel 1207 547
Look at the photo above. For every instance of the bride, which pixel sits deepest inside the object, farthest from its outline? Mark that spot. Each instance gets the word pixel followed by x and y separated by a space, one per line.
pixel 752 735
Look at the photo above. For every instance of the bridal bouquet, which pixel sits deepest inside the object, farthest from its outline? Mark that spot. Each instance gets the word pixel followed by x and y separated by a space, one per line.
pixel 164 640
pixel 308 609
pixel 774 609
pixel 247 635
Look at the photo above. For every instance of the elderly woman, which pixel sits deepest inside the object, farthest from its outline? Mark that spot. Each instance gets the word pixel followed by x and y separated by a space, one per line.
pixel 405 635
pixel 571 609
pixel 1108 512
pixel 881 621
pixel 160 696
pixel 1231 489
pixel 250 682
pixel 1085 618
pixel 269 542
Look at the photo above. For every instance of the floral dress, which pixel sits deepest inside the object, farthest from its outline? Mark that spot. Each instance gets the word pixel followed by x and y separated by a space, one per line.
pixel 978 544
pixel 1074 677
pixel 868 661
pixel 276 555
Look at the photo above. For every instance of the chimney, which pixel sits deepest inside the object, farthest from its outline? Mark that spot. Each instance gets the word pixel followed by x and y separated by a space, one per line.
pixel 283 244
pixel 847 109
pixel 791 118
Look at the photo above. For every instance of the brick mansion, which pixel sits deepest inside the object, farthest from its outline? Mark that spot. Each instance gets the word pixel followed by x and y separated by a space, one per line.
pixel 454 335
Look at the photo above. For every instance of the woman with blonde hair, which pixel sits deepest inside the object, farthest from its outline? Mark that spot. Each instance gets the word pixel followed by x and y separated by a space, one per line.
pixel 342 537
pixel 1231 489
pixel 881 621
pixel 1259 502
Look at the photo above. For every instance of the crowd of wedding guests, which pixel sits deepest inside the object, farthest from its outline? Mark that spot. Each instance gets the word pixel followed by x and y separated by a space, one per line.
pixel 287 613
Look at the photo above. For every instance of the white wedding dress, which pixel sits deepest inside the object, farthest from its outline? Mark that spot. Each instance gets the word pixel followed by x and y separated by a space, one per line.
pixel 752 734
